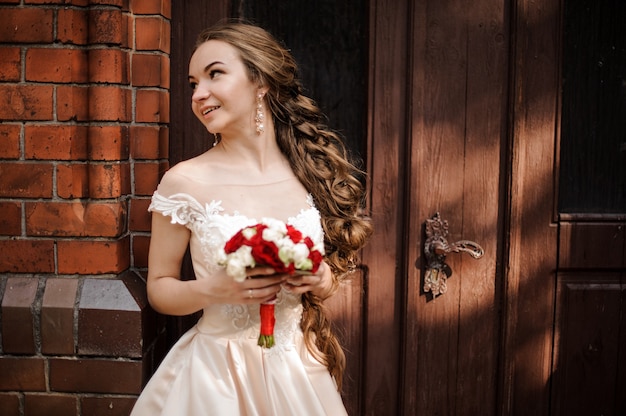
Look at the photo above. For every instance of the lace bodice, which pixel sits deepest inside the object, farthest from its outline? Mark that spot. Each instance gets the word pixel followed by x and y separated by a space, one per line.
pixel 210 228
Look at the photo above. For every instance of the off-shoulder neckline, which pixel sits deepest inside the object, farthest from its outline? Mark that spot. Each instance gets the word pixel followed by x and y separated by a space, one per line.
pixel 214 207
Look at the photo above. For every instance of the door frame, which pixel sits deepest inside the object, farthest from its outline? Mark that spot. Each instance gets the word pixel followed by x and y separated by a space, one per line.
pixel 532 227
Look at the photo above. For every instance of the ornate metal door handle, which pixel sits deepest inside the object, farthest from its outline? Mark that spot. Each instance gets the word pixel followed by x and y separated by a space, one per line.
pixel 436 248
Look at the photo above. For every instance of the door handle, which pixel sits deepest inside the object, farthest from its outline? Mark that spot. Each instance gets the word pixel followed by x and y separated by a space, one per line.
pixel 436 248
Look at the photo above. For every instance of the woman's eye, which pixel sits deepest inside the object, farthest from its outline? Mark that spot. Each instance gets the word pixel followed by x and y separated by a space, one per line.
pixel 214 73
pixel 193 85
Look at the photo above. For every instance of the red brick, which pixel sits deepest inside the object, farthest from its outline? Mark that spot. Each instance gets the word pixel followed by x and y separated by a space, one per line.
pixel 113 376
pixel 56 65
pixel 75 219
pixel 10 141
pixel 27 25
pixel 107 27
pixel 26 180
pixel 63 2
pixel 146 178
pixel 26 102
pixel 165 72
pixel 49 404
pixel 73 181
pixel 55 142
pixel 22 374
pixel 141 244
pixel 108 142
pixel 164 143
pixel 72 26
pixel 145 142
pixel 109 65
pixel 11 218
pixel 109 180
pixel 123 4
pixel 9 404
pixel 130 33
pixel 140 218
pixel 57 316
pixel 26 256
pixel 162 7
pixel 93 257
pixel 17 316
pixel 164 109
pixel 72 103
pixel 147 70
pixel 11 64
pixel 152 106
pixel 109 103
pixel 152 34
pixel 107 406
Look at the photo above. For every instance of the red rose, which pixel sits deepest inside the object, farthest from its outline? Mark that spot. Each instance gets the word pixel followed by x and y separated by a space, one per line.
pixel 316 257
pixel 265 253
pixel 234 243
pixel 294 234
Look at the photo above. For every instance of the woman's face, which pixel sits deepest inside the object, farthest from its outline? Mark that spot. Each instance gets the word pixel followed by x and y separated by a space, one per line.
pixel 224 98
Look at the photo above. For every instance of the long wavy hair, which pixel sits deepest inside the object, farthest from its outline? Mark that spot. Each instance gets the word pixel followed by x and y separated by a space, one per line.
pixel 318 158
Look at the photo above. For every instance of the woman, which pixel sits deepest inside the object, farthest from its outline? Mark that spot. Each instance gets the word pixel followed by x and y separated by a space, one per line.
pixel 272 158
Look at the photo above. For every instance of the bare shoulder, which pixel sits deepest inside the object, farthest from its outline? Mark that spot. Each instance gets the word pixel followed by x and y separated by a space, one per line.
pixel 200 167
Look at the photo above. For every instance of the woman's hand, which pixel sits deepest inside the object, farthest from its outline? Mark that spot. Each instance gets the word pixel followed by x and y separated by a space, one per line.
pixel 262 284
pixel 320 282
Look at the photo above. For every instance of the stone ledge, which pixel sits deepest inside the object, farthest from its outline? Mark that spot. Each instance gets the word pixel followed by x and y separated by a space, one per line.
pixel 17 315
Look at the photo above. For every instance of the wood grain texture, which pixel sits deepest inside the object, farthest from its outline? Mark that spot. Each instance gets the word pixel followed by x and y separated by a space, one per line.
pixel 532 241
pixel 386 168
pixel 458 118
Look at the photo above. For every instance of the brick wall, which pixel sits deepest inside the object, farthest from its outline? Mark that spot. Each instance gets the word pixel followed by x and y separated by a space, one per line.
pixel 83 139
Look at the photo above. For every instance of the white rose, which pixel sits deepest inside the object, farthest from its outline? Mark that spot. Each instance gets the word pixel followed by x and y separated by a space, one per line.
pixel 275 229
pixel 301 257
pixel 238 262
pixel 285 250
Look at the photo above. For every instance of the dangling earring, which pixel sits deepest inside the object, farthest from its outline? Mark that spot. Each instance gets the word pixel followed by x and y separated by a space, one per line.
pixel 259 118
pixel 215 139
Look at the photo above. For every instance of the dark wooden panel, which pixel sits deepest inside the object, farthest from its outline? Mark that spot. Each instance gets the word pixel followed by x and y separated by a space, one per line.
pixel 328 38
pixel 589 345
pixel 592 245
pixel 188 137
pixel 593 130
pixel 384 255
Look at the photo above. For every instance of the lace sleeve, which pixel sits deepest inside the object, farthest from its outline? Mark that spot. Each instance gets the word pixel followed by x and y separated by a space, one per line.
pixel 182 208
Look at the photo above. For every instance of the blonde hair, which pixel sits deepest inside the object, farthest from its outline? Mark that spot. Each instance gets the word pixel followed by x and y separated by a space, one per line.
pixel 318 158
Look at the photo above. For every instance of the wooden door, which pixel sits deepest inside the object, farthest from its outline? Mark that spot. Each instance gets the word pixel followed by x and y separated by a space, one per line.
pixel 458 110
pixel 438 112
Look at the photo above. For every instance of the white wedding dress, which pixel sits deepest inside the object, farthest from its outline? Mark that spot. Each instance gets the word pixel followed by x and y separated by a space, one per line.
pixel 217 368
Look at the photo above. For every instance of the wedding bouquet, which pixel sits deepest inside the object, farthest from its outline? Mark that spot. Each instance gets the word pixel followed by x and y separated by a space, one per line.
pixel 274 244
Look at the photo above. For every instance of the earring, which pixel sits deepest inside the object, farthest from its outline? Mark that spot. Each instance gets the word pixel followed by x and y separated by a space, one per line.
pixel 259 118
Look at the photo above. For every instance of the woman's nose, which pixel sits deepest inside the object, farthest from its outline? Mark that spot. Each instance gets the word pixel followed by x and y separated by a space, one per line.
pixel 200 93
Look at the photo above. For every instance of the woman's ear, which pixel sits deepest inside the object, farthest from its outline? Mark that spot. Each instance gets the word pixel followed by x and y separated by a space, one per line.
pixel 262 90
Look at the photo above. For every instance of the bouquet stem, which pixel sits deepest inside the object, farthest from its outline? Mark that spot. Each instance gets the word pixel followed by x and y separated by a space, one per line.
pixel 266 339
